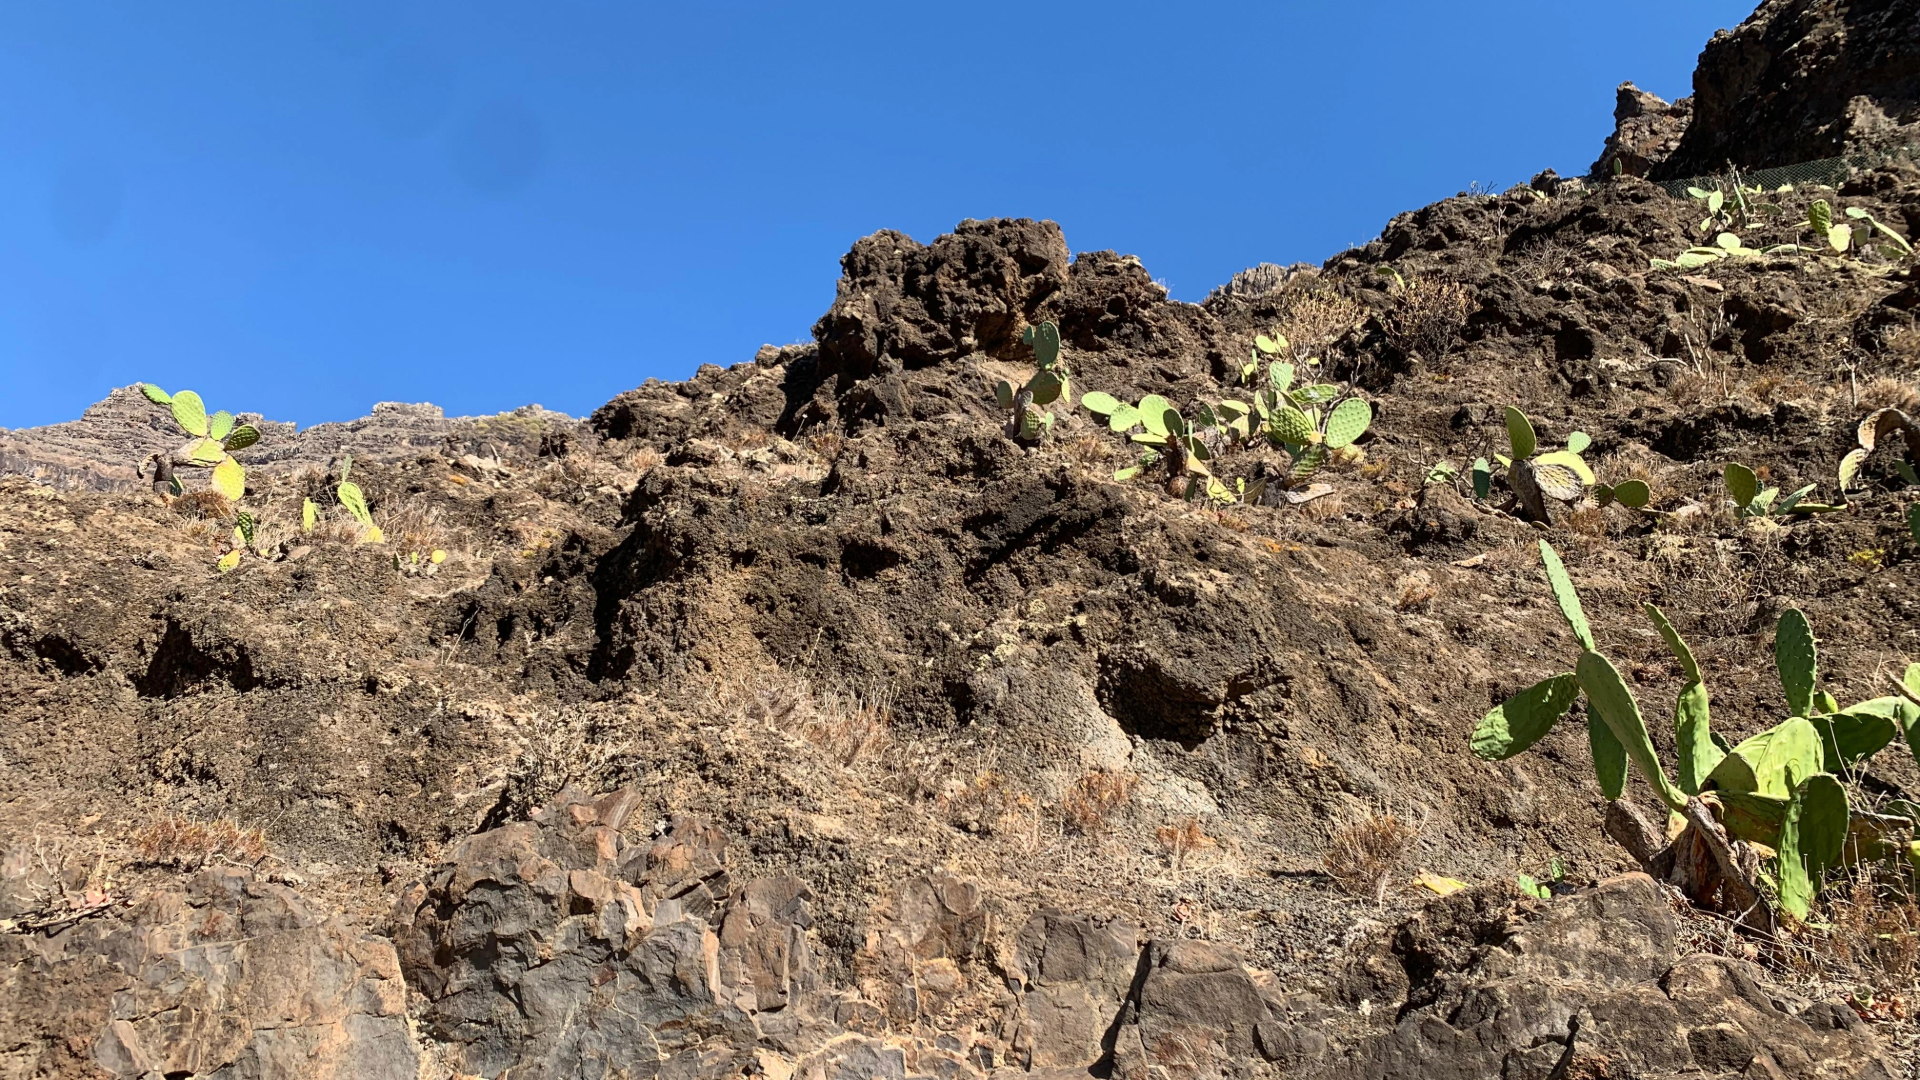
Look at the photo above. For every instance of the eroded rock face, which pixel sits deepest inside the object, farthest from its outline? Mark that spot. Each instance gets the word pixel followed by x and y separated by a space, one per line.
pixel 1591 984
pixel 1801 80
pixel 1646 131
pixel 228 976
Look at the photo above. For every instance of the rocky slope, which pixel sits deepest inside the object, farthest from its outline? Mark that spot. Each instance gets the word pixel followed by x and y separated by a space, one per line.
pixel 794 720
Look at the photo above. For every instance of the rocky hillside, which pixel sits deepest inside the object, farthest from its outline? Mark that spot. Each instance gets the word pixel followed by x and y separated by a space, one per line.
pixel 798 720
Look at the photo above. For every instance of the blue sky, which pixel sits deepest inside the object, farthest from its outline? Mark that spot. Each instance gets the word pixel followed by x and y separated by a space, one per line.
pixel 301 209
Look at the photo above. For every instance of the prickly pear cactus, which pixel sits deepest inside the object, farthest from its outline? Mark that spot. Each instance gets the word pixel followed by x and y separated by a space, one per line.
pixel 1348 422
pixel 1525 718
pixel 1564 595
pixel 1812 836
pixel 1820 216
pixel 1796 658
pixel 1692 722
pixel 1610 699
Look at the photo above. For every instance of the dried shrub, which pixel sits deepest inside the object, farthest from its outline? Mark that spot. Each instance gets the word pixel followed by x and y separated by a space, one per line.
pixel 1314 319
pixel 184 844
pixel 204 505
pixel 1427 318
pixel 1095 798
pixel 1365 856
pixel 1181 839
pixel 1416 592
pixel 573 746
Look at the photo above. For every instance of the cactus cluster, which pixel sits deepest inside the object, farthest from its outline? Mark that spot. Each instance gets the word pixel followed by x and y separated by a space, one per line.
pixel 1188 445
pixel 1026 407
pixel 1780 789
pixel 1752 500
pixel 1313 423
pixel 211 439
pixel 1557 474
pixel 1855 233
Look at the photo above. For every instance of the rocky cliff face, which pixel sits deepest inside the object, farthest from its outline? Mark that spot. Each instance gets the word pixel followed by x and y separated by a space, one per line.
pixel 1801 80
pixel 793 721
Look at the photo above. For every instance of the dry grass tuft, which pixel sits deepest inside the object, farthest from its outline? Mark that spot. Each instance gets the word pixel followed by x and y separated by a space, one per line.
pixel 414 526
pixel 1094 799
pixel 1365 856
pixel 1089 451
pixel 1889 394
pixel 848 727
pixel 641 461
pixel 572 746
pixel 184 844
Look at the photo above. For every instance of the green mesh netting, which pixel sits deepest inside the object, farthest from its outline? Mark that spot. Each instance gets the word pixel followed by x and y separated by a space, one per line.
pixel 1827 171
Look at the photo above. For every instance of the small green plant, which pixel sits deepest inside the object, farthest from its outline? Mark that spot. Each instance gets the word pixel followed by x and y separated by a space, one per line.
pixel 211 439
pixel 355 501
pixel 1779 789
pixel 420 563
pixel 1188 446
pixel 1027 415
pixel 1556 874
pixel 1535 477
pixel 1751 500
pixel 309 515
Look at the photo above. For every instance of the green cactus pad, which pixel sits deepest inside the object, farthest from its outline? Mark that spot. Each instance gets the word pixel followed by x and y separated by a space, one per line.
pixel 230 479
pixel 1675 643
pixel 1123 418
pixel 1520 434
pixel 1848 738
pixel 1608 696
pixel 1525 718
pixel 1693 731
pixel 1099 402
pixel 1348 422
pixel 1734 773
pixel 1633 493
pixel 1820 216
pixel 1033 421
pixel 1046 387
pixel 1609 758
pixel 1269 345
pixel 1780 757
pixel 1290 425
pixel 190 413
pixel 1824 703
pixel 309 515
pixel 155 394
pixel 1563 594
pixel 1812 836
pixel 228 561
pixel 242 437
pixel 1315 394
pixel 1280 377
pixel 219 424
pixel 1045 339
pixel 1742 484
pixel 1308 463
pixel 355 501
pixel 1795 656
pixel 1153 413
pixel 1753 818
pixel 1482 478
pixel 1578 441
pixel 1003 395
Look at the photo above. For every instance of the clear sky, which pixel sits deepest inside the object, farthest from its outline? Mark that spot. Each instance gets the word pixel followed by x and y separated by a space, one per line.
pixel 303 208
